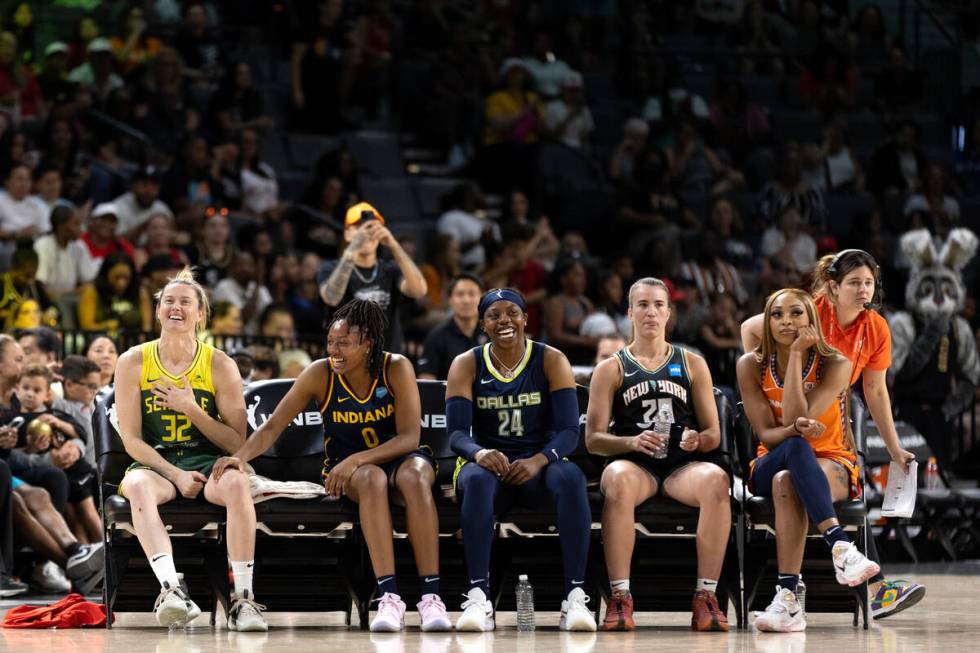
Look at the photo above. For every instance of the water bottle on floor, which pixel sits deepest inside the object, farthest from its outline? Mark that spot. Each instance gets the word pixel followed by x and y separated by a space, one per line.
pixel 525 604
pixel 801 595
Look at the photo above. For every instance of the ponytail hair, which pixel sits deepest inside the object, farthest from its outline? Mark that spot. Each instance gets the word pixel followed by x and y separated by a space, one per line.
pixel 186 278
pixel 834 267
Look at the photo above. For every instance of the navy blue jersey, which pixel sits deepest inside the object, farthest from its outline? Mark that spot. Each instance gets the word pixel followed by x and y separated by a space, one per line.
pixel 642 393
pixel 512 415
pixel 351 423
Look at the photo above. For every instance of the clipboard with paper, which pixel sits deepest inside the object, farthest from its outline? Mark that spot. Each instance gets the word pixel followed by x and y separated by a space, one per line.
pixel 899 499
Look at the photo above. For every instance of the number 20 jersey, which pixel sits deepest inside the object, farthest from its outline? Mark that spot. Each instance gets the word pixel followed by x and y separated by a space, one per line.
pixel 170 432
pixel 512 415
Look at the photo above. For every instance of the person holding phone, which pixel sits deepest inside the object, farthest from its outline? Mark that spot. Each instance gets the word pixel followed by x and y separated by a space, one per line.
pixel 359 274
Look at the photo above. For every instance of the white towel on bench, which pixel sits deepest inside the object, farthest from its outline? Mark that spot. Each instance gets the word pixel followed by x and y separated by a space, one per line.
pixel 263 489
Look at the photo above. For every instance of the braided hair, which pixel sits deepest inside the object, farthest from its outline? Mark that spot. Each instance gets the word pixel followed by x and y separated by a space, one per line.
pixel 370 318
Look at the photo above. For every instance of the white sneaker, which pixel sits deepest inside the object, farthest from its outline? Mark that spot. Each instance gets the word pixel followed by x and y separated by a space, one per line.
pixel 574 614
pixel 477 612
pixel 391 614
pixel 246 615
pixel 50 578
pixel 852 567
pixel 171 607
pixel 784 614
pixel 432 614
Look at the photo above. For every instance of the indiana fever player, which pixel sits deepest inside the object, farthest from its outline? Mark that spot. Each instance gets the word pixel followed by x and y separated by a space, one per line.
pixel 372 422
pixel 626 393
pixel 512 415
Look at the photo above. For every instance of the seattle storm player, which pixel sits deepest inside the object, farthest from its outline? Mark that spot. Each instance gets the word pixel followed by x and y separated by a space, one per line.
pixel 512 415
pixel 626 393
pixel 372 423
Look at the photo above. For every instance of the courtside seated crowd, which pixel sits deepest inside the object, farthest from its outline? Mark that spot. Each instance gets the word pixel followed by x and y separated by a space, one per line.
pixel 304 156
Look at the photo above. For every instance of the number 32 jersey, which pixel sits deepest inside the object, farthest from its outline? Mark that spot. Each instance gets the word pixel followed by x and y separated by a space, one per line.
pixel 168 431
pixel 512 415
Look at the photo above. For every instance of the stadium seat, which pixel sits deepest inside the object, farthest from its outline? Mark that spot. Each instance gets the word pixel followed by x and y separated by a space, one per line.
pixel 306 149
pixel 393 197
pixel 377 153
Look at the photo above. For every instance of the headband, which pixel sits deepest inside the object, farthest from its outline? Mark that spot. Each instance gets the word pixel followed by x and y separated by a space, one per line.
pixel 502 295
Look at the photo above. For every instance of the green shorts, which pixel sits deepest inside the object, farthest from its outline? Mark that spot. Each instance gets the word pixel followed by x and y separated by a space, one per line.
pixel 195 463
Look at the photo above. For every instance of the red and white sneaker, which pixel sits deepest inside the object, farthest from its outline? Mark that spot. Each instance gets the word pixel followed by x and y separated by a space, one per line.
pixel 433 615
pixel 391 614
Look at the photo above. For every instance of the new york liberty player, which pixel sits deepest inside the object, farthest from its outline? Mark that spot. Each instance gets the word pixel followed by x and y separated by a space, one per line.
pixel 512 416
pixel 626 394
pixel 372 424
pixel 180 406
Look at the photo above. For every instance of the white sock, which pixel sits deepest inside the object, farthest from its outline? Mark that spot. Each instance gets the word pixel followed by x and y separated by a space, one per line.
pixel 707 584
pixel 242 572
pixel 620 585
pixel 163 568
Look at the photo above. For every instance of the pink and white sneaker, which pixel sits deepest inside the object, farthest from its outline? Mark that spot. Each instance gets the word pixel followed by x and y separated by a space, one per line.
pixel 391 614
pixel 433 615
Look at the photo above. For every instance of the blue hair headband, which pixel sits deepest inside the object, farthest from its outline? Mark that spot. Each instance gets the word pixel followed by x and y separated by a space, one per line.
pixel 501 294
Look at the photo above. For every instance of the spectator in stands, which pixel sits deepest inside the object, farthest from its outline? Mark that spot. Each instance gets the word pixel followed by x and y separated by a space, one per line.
pixel 101 350
pixel 265 363
pixel 56 88
pixel 86 29
pixel 134 47
pixel 63 262
pixel 830 82
pixel 513 123
pixel 159 99
pixel 695 169
pixel 97 73
pixel 100 239
pixel 544 244
pixel 135 208
pixel 710 273
pixel 618 426
pixel 566 118
pixel 899 165
pixel 82 380
pixel 521 271
pixel 47 188
pixel 189 187
pixel 373 37
pixel 869 38
pixel 226 173
pixel 464 218
pixel 725 222
pixel 236 105
pixel 940 210
pixel 788 243
pixel 689 313
pixel 651 215
pixel 629 152
pixel 439 272
pixel 19 216
pixel 41 346
pixel 761 54
pixel 720 337
pixel 159 237
pixel 226 319
pixel 292 362
pixel 319 62
pixel 457 334
pixel 115 300
pixel 214 252
pixel 21 285
pixel 19 90
pixel 839 169
pixel 260 190
pixel 790 189
pixel 242 289
pixel 199 45
pixel 277 321
pixel 547 72
pixel 966 166
pixel 60 144
pixel 900 86
pixel 360 274
pixel 612 302
pixel 740 125
pixel 565 312
pixel 304 297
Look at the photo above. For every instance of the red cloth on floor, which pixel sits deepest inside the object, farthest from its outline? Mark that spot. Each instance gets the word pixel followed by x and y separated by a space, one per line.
pixel 73 611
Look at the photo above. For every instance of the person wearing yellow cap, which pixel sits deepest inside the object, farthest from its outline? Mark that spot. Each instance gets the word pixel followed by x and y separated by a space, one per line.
pixel 359 274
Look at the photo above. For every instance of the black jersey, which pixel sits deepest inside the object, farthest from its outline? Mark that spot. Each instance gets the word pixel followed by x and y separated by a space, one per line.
pixel 642 392
pixel 351 423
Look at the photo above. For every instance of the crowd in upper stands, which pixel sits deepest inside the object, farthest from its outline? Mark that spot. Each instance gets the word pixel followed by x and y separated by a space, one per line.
pixel 721 146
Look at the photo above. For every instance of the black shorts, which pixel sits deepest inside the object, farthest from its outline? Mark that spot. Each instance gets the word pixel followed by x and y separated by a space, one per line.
pixel 662 468
pixel 82 481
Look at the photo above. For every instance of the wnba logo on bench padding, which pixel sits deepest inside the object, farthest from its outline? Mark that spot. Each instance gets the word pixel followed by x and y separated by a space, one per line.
pixel 255 419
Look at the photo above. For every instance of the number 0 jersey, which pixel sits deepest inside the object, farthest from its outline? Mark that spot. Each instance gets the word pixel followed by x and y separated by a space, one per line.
pixel 168 431
pixel 512 415
pixel 351 423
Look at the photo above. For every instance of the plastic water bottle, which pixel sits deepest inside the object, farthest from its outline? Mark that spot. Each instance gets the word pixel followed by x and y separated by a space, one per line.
pixel 661 426
pixel 930 478
pixel 525 605
pixel 801 595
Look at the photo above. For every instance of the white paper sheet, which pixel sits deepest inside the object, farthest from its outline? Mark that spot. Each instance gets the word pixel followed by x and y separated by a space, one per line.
pixel 899 500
